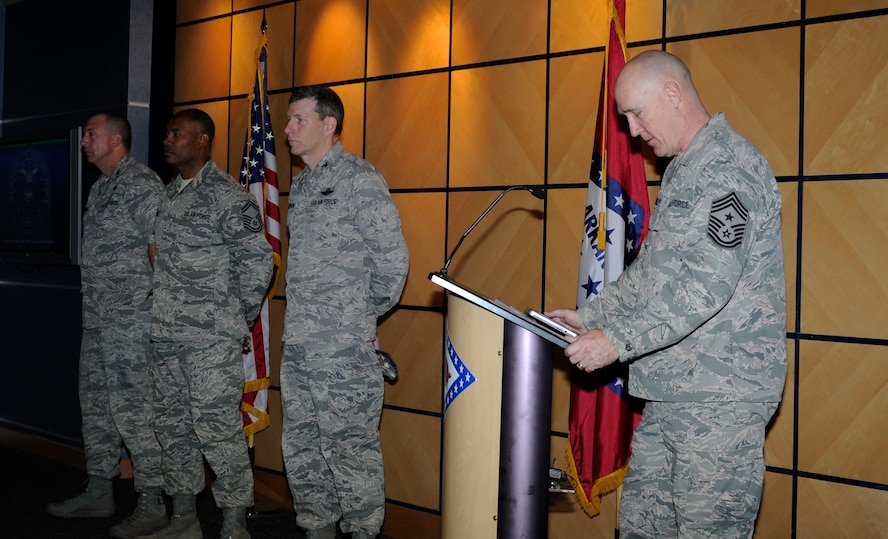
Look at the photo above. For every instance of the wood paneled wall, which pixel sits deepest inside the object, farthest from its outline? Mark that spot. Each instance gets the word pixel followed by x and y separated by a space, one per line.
pixel 455 100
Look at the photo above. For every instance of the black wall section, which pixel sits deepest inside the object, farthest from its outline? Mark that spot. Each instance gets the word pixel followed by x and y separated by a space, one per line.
pixel 63 59
pixel 62 62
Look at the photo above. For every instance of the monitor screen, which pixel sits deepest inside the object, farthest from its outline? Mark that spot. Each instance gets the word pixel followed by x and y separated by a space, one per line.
pixel 40 201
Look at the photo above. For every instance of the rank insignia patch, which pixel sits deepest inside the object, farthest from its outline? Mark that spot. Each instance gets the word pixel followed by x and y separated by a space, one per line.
pixel 727 221
pixel 252 217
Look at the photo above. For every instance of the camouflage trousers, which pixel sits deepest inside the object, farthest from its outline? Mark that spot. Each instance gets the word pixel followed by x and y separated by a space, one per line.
pixel 199 386
pixel 696 470
pixel 116 396
pixel 332 401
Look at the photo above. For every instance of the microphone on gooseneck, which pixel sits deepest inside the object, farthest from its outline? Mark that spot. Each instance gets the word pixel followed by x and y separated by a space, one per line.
pixel 536 191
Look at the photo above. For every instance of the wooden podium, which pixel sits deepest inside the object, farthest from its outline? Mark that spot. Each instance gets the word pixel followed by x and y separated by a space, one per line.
pixel 497 418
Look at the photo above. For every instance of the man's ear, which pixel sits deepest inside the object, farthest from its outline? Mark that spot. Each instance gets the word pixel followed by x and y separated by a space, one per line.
pixel 330 124
pixel 672 91
pixel 203 139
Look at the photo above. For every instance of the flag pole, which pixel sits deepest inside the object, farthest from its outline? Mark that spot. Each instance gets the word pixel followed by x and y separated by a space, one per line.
pixel 603 114
pixel 614 22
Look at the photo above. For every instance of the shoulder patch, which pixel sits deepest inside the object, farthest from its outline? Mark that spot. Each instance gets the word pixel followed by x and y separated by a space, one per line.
pixel 727 221
pixel 252 216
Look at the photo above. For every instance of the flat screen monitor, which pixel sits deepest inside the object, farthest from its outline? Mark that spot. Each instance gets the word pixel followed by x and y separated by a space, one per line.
pixel 40 200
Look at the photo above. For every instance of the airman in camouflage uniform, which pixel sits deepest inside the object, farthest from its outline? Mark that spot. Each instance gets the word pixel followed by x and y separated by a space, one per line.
pixel 700 316
pixel 212 272
pixel 346 266
pixel 115 378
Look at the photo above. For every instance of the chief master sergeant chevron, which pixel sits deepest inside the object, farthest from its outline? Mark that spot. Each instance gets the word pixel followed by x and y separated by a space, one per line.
pixel 212 270
pixel 346 266
pixel 700 316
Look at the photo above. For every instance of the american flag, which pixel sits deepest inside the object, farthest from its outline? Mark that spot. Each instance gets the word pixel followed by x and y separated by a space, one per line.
pixel 259 175
pixel 602 416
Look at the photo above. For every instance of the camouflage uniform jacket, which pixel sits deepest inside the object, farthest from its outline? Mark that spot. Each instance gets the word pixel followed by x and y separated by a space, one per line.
pixel 347 260
pixel 118 225
pixel 213 263
pixel 702 311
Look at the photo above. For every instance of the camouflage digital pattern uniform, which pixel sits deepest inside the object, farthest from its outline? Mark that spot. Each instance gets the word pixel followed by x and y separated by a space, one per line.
pixel 346 266
pixel 212 270
pixel 701 316
pixel 115 377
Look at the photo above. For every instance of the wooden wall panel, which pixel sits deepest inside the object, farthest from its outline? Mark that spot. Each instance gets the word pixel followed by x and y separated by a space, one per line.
pixel 565 211
pixel 789 214
pixel 408 124
pixel 192 10
pixel 562 373
pixel 352 138
pixel 422 221
pixel 415 340
pixel 822 8
pixel 239 5
pixel 582 24
pixel 577 24
pixel 406 36
pixel 503 254
pixel 844 291
pixel 775 516
pixel 278 105
pixel 728 74
pixel 203 72
pixel 272 494
pixel 411 446
pixel 238 124
pixel 843 402
pixel 498 124
pixel 245 36
pixel 496 29
pixel 407 522
pixel 574 94
pixel 779 442
pixel 268 452
pixel 835 510
pixel 697 16
pixel 844 106
pixel 330 37
pixel 644 20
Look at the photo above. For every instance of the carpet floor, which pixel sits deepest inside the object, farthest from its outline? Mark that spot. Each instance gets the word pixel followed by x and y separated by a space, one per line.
pixel 29 482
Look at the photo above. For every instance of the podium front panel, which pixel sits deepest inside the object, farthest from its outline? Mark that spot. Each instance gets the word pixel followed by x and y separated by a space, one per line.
pixel 470 481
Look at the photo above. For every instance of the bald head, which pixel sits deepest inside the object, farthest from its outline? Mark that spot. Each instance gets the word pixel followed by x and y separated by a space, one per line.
pixel 655 92
pixel 659 67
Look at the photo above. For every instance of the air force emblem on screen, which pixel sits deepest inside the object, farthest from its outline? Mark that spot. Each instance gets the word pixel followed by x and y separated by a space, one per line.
pixel 727 221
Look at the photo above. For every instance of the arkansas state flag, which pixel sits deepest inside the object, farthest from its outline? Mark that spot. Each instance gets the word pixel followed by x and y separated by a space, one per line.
pixel 602 416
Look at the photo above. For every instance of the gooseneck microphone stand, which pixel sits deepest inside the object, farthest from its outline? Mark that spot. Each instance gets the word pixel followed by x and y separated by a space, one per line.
pixel 538 192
